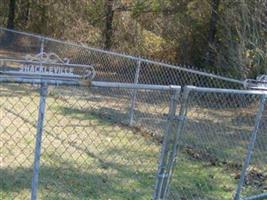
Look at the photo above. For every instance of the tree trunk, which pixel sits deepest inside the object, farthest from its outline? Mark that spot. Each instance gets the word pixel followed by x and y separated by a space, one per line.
pixel 26 12
pixel 11 14
pixel 108 31
pixel 212 32
pixel 8 37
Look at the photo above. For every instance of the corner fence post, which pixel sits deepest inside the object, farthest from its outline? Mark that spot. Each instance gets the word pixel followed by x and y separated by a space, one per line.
pixel 250 147
pixel 168 142
pixel 38 140
pixel 134 93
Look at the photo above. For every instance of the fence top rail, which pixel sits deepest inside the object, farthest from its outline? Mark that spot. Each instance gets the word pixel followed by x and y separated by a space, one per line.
pixel 228 91
pixel 135 86
pixel 78 82
pixel 180 68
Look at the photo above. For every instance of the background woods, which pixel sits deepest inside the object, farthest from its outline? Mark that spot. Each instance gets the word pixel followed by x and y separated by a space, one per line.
pixel 222 36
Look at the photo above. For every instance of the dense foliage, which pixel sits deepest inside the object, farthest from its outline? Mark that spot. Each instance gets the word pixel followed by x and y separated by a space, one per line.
pixel 224 36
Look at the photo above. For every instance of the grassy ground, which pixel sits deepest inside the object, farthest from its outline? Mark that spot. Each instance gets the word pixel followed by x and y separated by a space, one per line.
pixel 88 155
pixel 83 155
pixel 213 147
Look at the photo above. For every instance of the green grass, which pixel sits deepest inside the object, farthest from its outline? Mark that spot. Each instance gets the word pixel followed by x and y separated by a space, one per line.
pixel 196 179
pixel 83 155
pixel 88 155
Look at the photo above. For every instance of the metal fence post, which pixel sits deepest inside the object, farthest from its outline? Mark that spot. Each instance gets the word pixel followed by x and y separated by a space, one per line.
pixel 38 140
pixel 250 147
pixel 180 121
pixel 134 93
pixel 42 46
pixel 162 174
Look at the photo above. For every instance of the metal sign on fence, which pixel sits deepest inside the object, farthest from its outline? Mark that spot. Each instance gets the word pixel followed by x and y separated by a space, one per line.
pixel 46 65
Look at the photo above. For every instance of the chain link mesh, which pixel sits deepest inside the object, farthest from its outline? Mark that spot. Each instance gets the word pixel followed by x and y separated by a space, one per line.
pixel 110 66
pixel 88 149
pixel 214 144
pixel 105 143
pixel 18 116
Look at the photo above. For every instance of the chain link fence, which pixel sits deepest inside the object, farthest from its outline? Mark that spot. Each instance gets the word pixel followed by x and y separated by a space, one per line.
pixel 87 149
pixel 18 116
pixel 127 135
pixel 220 146
pixel 110 66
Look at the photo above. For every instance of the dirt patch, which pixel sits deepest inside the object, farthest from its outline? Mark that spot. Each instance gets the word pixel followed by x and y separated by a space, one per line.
pixel 255 177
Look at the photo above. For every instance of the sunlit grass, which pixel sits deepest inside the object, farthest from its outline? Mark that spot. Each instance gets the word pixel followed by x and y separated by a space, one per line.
pixel 83 155
pixel 86 154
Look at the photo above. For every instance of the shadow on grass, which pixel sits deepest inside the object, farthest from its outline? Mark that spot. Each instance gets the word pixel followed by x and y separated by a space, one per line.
pixel 67 182
pixel 196 180
pixel 221 139
pixel 70 177
pixel 85 116
pixel 62 180
pixel 225 141
pixel 152 124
